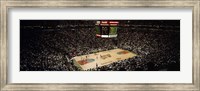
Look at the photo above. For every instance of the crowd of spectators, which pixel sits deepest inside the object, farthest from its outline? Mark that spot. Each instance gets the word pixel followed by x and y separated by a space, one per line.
pixel 157 46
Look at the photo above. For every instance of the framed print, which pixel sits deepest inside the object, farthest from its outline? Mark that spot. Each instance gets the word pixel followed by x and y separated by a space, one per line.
pixel 99 45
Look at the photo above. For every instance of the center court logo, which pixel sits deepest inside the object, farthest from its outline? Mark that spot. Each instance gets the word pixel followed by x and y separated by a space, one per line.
pixel 83 62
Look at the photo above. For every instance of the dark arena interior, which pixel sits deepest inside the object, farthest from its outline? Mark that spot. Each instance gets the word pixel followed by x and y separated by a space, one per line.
pixel 48 45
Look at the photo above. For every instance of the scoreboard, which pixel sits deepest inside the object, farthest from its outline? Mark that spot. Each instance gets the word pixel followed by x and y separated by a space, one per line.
pixel 106 29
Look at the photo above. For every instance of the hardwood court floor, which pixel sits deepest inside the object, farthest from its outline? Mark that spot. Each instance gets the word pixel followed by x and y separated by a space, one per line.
pixel 102 58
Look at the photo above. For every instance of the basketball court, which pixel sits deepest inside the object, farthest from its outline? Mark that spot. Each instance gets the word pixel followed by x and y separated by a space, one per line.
pixel 101 58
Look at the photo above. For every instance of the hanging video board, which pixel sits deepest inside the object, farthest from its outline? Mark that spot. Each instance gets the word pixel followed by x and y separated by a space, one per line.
pixel 106 29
